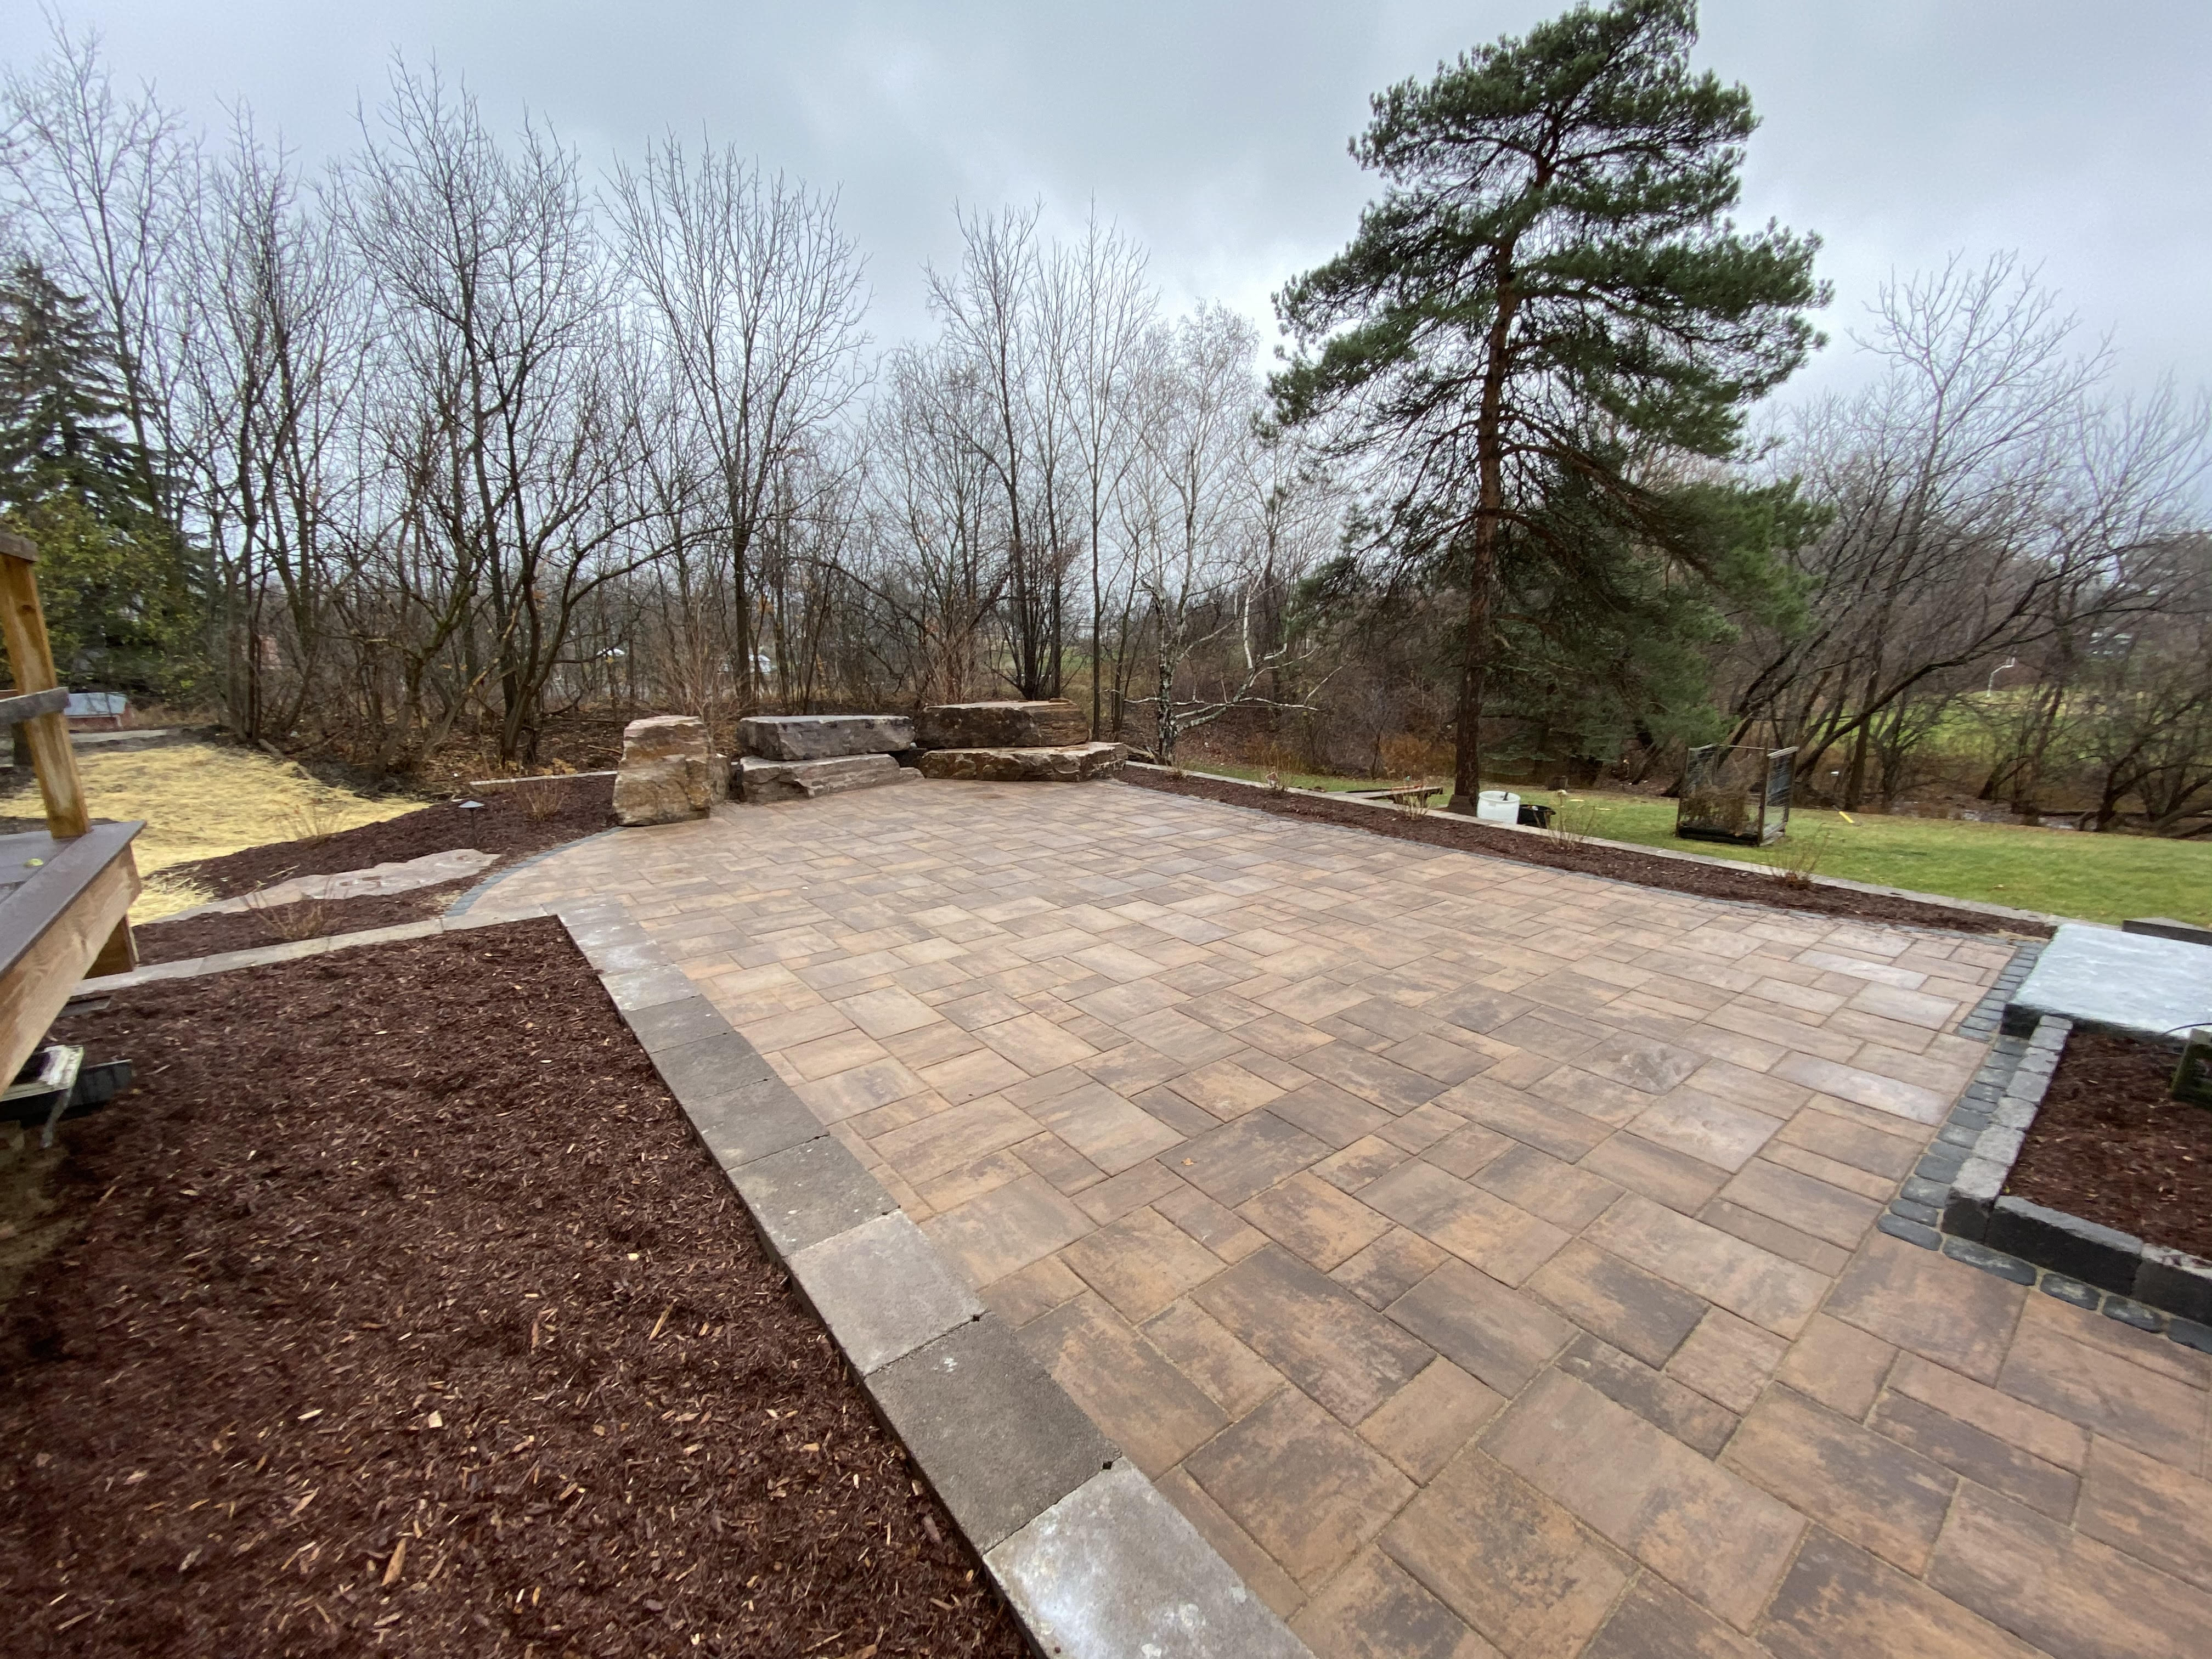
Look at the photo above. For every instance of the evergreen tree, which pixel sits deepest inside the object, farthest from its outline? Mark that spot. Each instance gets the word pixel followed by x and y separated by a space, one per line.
pixel 115 578
pixel 1548 289
pixel 61 402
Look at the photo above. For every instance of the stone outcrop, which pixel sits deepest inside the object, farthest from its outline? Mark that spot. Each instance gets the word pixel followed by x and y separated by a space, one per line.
pixel 668 771
pixel 759 779
pixel 823 737
pixel 1002 725
pixel 1057 763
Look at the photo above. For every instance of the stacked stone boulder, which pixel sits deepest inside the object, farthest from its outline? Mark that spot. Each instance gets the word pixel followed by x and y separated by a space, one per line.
pixel 800 756
pixel 668 771
pixel 1039 742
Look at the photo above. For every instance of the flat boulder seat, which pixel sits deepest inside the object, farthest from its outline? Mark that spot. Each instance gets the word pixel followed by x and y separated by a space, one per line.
pixel 1052 725
pixel 823 737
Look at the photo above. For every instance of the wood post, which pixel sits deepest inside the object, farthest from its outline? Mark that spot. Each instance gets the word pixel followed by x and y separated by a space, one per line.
pixel 24 626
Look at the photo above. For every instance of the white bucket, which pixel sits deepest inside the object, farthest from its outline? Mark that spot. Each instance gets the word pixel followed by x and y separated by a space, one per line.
pixel 1497 806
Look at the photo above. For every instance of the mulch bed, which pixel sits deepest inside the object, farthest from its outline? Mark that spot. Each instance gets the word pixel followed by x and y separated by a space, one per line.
pixel 401 1309
pixel 1702 880
pixel 2111 1145
pixel 515 823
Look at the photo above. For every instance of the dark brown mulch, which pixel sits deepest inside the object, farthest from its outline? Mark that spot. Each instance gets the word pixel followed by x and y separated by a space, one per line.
pixel 1701 880
pixel 515 823
pixel 504 823
pixel 2111 1145
pixel 408 1245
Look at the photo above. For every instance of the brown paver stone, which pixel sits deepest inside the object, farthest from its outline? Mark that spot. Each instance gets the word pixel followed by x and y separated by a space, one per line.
pixel 1243 1159
pixel 1860 1485
pixel 1301 1484
pixel 1515 1566
pixel 1712 1534
pixel 1373 1609
pixel 2148 1509
pixel 1631 1308
pixel 2106 1394
pixel 1129 1387
pixel 1424 1423
pixel 1727 1360
pixel 1838 1602
pixel 1207 1354
pixel 1653 1395
pixel 1326 1340
pixel 1745 1279
pixel 1007 1228
pixel 2060 1591
pixel 1656 1622
pixel 1969 1449
pixel 1942 1310
pixel 1141 1263
pixel 1497 1333
pixel 1309 1217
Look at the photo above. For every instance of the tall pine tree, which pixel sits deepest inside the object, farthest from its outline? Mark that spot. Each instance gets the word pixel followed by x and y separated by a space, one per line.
pixel 115 578
pixel 1548 288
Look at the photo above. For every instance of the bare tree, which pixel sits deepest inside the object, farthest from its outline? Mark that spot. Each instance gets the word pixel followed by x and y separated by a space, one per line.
pixel 756 296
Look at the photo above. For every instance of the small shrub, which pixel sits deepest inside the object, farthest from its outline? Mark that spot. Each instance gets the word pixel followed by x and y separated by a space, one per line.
pixel 312 822
pixel 302 918
pixel 1794 861
pixel 542 799
pixel 1276 785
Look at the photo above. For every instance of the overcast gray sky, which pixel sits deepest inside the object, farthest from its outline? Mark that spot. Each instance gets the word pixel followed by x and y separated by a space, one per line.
pixel 2080 134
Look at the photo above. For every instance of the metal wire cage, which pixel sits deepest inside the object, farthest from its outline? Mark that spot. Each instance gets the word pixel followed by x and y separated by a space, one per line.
pixel 1736 794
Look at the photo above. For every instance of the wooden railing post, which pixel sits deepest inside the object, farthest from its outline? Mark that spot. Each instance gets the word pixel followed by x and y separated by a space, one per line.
pixel 30 655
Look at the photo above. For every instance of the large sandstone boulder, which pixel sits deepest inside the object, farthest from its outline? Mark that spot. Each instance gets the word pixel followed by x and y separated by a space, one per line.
pixel 823 737
pixel 1062 763
pixel 669 772
pixel 1002 725
pixel 761 780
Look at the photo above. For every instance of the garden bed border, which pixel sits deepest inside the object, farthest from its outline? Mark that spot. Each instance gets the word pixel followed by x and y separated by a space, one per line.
pixel 1954 1200
pixel 1094 1563
pixel 2036 919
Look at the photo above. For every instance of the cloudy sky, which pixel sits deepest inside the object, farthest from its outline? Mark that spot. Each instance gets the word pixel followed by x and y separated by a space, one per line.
pixel 1902 130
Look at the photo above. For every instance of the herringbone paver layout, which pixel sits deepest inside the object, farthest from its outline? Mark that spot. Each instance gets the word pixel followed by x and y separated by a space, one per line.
pixel 1482 1256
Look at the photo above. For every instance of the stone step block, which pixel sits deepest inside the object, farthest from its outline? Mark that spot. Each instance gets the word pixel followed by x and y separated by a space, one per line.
pixel 1002 725
pixel 1064 763
pixel 823 737
pixel 669 772
pixel 758 779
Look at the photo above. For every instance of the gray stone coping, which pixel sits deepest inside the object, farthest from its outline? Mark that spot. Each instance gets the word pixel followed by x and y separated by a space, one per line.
pixel 2130 984
pixel 1954 1200
pixel 1094 1561
pixel 1942 901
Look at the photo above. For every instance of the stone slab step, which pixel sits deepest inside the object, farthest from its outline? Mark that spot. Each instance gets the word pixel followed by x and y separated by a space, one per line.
pixel 1002 725
pixel 823 737
pixel 757 779
pixel 1059 764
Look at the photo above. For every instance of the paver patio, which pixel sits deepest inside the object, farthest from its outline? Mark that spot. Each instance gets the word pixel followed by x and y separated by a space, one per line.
pixel 1481 1257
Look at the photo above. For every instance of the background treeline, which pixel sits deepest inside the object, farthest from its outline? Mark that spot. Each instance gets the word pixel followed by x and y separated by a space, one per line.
pixel 452 442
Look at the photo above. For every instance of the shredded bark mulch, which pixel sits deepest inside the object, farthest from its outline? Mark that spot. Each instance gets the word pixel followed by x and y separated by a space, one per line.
pixel 1559 853
pixel 515 823
pixel 2110 1145
pixel 399 1309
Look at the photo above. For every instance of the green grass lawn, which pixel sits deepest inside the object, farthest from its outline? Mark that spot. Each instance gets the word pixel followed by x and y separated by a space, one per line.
pixel 2097 878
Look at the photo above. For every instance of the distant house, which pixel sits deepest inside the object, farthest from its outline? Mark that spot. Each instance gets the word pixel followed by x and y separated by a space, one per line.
pixel 98 711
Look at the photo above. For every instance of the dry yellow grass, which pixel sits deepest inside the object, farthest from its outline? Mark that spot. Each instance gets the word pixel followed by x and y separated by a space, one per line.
pixel 202 800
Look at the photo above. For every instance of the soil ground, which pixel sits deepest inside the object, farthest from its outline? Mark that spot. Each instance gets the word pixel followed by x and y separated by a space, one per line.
pixel 1704 880
pixel 398 1308
pixel 2110 1145
pixel 514 823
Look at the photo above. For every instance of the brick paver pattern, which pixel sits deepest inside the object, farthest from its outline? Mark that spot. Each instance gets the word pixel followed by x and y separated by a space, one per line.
pixel 1481 1257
